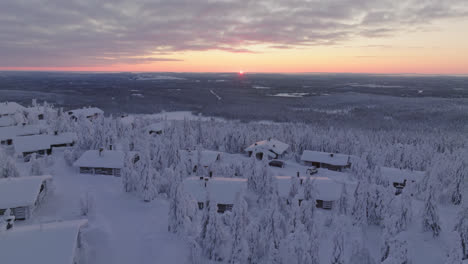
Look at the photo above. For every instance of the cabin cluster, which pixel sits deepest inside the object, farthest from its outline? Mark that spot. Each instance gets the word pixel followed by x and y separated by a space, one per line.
pixel 19 197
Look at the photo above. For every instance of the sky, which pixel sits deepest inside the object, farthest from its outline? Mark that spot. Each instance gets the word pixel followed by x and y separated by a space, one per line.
pixel 357 36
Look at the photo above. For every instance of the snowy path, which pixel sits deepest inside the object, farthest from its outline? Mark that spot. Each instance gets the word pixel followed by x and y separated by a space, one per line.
pixel 123 229
pixel 215 94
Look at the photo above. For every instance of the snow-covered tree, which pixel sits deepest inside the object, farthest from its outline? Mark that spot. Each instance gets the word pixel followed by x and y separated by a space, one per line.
pixel 461 227
pixel 239 246
pixel 342 205
pixel 8 168
pixel 359 211
pixel 212 236
pixel 338 254
pixel 397 252
pixel 36 166
pixel 430 215
pixel 181 212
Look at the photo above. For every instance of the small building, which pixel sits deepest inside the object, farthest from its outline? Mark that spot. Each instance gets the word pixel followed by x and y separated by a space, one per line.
pixel 51 243
pixel 222 191
pixel 400 178
pixel 90 113
pixel 8 134
pixel 200 158
pixel 42 144
pixel 155 129
pixel 270 148
pixel 23 194
pixel 331 161
pixel 10 108
pixel 103 162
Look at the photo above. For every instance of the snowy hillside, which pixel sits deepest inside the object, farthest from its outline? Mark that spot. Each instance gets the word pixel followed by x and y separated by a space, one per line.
pixel 206 190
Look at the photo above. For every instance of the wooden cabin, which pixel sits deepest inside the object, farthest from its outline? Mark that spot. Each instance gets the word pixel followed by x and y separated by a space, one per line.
pixel 23 194
pixel 270 149
pixel 51 243
pixel 89 113
pixel 103 162
pixel 42 144
pixel 401 179
pixel 331 161
pixel 8 134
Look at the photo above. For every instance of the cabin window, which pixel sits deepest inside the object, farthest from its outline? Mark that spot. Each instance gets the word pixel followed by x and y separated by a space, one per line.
pixel 224 207
pixel 86 170
pixel 117 172
pixel 40 117
pixel 259 155
pixel 104 171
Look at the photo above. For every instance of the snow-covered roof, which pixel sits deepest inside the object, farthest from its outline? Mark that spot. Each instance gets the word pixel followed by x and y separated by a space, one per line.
pixel 51 243
pixel 224 190
pixel 9 108
pixel 268 146
pixel 20 191
pixel 86 112
pixel 324 157
pixel 41 142
pixel 7 121
pixel 327 189
pixel 16 131
pixel 155 127
pixel 207 158
pixel 220 190
pixel 400 175
pixel 107 159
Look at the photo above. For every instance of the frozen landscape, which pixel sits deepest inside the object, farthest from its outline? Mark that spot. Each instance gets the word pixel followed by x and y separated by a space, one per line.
pixel 182 187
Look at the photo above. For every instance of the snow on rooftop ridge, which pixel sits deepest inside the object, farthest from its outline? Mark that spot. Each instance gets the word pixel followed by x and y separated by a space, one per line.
pixel 207 158
pixel 20 191
pixel 324 157
pixel 42 142
pixel 224 190
pixel 9 108
pixel 51 243
pixel 400 175
pixel 273 145
pixel 11 132
pixel 90 111
pixel 114 159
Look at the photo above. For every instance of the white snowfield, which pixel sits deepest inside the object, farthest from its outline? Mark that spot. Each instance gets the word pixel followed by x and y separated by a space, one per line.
pixel 10 108
pixel 42 142
pixel 21 191
pixel 271 147
pixel 7 121
pixel 86 112
pixel 224 190
pixel 10 132
pixel 50 243
pixel 400 175
pixel 113 159
pixel 324 157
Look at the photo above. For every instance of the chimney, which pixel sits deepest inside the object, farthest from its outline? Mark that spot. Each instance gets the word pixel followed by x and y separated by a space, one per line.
pixel 100 152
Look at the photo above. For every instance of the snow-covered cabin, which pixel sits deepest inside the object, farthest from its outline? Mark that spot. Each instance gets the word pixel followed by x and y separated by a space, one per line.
pixel 10 108
pixel 196 158
pixel 327 190
pixel 270 148
pixel 103 162
pixel 39 111
pixel 223 191
pixel 8 134
pixel 155 129
pixel 90 113
pixel 400 178
pixel 331 161
pixel 42 144
pixel 21 195
pixel 51 243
